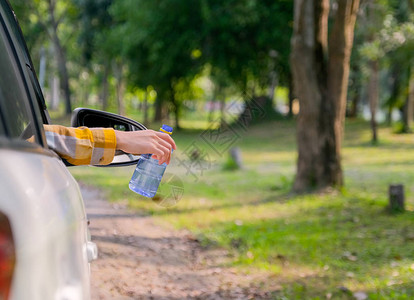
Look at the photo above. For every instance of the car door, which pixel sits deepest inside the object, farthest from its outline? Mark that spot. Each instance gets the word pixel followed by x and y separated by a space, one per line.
pixel 38 196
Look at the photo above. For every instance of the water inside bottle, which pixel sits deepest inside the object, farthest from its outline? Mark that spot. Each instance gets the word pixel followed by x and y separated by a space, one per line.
pixel 147 177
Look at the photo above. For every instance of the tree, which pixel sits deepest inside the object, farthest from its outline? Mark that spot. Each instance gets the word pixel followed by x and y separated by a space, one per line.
pixel 238 44
pixel 161 40
pixel 320 66
pixel 95 23
pixel 54 22
pixel 402 57
pixel 46 16
pixel 373 15
pixel 168 42
pixel 389 43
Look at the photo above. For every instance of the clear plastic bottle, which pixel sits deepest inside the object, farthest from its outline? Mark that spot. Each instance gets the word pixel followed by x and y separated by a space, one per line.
pixel 148 173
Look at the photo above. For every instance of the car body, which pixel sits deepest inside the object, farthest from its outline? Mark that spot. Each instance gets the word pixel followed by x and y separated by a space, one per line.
pixel 45 248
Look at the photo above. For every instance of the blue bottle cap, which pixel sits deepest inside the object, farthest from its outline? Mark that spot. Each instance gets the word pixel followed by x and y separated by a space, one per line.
pixel 166 129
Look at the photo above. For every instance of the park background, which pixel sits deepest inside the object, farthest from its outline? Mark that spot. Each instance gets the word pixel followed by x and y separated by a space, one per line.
pixel 227 75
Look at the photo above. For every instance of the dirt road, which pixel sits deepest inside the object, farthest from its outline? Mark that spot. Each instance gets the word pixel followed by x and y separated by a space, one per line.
pixel 140 260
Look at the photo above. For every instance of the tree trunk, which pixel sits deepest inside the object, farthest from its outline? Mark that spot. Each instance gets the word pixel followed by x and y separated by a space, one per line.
pixel 353 112
pixel 54 92
pixel 408 108
pixel 291 97
pixel 120 86
pixel 274 81
pixel 61 59
pixel 158 108
pixel 42 68
pixel 408 105
pixel 222 111
pixel 373 99
pixel 217 94
pixel 105 87
pixel 395 78
pixel 83 93
pixel 389 116
pixel 145 108
pixel 355 97
pixel 176 107
pixel 120 90
pixel 320 74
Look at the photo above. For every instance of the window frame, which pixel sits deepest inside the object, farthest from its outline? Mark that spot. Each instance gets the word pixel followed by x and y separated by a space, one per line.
pixel 22 76
pixel 28 63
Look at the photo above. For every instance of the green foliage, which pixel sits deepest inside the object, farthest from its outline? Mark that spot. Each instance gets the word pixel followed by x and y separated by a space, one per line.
pixel 33 31
pixel 239 41
pixel 384 33
pixel 311 245
pixel 95 23
pixel 167 44
pixel 392 37
pixel 35 21
pixel 159 38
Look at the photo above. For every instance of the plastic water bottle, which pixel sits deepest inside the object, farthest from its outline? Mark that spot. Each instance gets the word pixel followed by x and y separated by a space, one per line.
pixel 148 173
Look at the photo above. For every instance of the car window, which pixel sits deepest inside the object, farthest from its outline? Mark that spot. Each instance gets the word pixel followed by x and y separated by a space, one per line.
pixel 23 54
pixel 15 113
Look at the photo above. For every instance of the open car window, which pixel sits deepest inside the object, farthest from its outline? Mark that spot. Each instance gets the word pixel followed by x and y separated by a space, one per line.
pixel 23 54
pixel 15 113
pixel 26 74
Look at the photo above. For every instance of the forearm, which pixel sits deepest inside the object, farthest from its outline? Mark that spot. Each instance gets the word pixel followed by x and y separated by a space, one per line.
pixel 82 146
pixel 96 146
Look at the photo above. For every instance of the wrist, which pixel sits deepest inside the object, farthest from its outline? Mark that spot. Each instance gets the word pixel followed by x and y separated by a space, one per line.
pixel 120 139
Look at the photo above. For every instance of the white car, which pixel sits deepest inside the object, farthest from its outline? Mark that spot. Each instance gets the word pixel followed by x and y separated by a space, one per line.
pixel 45 248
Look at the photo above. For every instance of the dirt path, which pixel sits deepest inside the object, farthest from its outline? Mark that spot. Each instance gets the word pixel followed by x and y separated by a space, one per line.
pixel 140 260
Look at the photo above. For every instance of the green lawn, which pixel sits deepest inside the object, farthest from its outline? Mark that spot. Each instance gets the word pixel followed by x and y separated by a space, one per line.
pixel 316 246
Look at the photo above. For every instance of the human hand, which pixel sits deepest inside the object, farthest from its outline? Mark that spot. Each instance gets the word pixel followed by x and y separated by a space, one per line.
pixel 157 143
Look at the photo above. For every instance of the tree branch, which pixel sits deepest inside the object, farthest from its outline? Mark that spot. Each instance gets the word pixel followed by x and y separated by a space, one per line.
pixel 60 18
pixel 41 23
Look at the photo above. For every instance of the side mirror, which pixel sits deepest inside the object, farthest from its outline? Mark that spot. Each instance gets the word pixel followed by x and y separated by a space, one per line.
pixel 97 118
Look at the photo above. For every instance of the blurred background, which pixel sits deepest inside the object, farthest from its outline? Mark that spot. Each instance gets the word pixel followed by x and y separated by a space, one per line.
pixel 220 73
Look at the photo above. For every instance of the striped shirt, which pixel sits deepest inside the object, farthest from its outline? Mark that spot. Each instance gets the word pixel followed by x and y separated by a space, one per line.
pixel 82 145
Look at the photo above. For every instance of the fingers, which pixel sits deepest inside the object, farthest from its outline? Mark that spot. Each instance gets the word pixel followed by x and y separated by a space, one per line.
pixel 146 141
pixel 162 153
pixel 165 144
pixel 166 137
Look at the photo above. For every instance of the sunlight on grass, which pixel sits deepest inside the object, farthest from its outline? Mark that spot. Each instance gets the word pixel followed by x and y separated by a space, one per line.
pixel 312 244
pixel 198 124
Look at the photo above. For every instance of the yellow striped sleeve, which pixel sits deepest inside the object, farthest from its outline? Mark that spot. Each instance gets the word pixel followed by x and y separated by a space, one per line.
pixel 82 146
pixel 104 146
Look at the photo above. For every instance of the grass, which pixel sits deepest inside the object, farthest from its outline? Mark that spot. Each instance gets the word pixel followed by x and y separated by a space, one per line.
pixel 315 246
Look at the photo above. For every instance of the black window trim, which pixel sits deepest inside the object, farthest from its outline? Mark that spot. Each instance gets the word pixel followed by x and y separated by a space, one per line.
pixel 37 89
pixel 17 64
